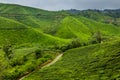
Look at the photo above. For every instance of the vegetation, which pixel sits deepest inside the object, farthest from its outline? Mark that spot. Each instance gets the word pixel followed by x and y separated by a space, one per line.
pixel 85 63
pixel 108 16
pixel 38 53
pixel 31 38
pixel 7 48
pixel 24 61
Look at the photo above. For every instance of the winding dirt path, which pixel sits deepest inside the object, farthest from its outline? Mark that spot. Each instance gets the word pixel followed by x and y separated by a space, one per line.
pixel 47 65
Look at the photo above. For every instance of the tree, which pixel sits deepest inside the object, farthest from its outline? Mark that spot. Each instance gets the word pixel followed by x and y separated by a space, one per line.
pixel 7 48
pixel 73 44
pixel 98 37
pixel 38 53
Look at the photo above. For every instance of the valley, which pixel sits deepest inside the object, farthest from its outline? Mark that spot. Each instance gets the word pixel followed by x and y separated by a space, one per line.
pixel 87 43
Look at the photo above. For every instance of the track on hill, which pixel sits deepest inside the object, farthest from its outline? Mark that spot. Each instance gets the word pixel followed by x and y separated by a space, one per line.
pixel 47 65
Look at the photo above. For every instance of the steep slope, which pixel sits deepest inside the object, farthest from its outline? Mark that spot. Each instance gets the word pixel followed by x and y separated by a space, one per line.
pixel 106 29
pixel 72 28
pixel 20 33
pixel 95 62
pixel 84 29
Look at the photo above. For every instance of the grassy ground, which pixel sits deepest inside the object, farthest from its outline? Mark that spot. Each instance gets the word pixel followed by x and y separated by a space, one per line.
pixel 23 62
pixel 95 62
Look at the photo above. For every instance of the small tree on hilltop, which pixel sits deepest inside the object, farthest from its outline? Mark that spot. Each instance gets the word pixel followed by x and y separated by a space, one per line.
pixel 98 37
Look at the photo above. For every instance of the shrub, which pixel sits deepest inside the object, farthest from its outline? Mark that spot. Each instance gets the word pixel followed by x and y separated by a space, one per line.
pixel 15 62
pixel 8 50
pixel 96 38
pixel 74 44
pixel 38 53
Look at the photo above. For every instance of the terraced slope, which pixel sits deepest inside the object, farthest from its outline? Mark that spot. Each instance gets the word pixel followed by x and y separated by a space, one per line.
pixel 33 17
pixel 95 62
pixel 106 29
pixel 72 28
pixel 56 22
pixel 84 29
pixel 19 33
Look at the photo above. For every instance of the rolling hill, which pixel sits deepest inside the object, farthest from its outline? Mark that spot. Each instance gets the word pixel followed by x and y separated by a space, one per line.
pixel 84 29
pixel 50 33
pixel 19 33
pixel 33 17
pixel 72 28
pixel 57 23
pixel 94 62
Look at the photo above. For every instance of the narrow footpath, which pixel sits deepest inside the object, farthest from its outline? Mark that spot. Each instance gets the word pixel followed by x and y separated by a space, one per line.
pixel 47 65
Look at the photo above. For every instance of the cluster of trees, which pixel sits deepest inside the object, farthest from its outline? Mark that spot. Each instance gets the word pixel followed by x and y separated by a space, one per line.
pixel 9 55
pixel 113 13
pixel 73 44
pixel 87 13
pixel 99 15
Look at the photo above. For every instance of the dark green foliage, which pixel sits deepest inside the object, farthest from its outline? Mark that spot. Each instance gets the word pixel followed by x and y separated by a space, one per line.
pixel 7 48
pixel 73 44
pixel 24 62
pixel 38 53
pixel 93 41
pixel 105 16
pixel 18 62
pixel 96 38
